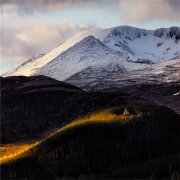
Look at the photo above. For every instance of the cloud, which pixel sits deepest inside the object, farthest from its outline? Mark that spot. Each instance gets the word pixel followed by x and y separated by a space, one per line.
pixel 33 6
pixel 20 43
pixel 135 11
pixel 132 10
pixel 174 4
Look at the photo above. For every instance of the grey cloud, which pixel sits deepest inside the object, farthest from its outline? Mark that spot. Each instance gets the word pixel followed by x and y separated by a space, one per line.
pixel 132 10
pixel 175 4
pixel 135 11
pixel 33 6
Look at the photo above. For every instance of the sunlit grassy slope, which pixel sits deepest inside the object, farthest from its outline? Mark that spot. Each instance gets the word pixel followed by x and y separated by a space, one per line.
pixel 14 151
pixel 106 145
pixel 110 115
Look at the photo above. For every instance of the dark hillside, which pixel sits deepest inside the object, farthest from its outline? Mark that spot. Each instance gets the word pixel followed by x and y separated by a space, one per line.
pixel 27 103
pixel 143 147
pixel 31 107
pixel 166 94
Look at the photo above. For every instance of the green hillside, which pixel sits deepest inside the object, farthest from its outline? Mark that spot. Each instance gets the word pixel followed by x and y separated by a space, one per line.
pixel 106 144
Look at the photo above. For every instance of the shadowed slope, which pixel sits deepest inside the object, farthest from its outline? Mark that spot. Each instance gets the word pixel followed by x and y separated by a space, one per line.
pixel 104 145
pixel 31 107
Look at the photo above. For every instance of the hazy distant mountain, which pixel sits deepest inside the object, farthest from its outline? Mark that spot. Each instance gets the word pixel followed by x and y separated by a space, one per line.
pixel 117 56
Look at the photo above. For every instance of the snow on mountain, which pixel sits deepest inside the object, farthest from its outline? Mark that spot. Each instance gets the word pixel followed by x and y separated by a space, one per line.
pixel 90 52
pixel 31 66
pixel 140 44
pixel 102 52
pixel 91 79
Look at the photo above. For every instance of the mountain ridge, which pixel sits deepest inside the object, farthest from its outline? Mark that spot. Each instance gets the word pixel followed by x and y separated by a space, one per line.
pixel 118 49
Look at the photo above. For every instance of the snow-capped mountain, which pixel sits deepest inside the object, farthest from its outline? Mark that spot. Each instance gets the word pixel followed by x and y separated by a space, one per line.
pixel 82 55
pixel 101 53
pixel 139 44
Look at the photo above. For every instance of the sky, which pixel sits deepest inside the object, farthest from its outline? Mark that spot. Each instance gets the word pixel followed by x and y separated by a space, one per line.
pixel 32 27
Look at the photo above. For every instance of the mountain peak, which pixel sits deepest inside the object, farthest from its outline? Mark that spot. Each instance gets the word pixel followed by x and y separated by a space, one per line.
pixel 86 45
pixel 90 41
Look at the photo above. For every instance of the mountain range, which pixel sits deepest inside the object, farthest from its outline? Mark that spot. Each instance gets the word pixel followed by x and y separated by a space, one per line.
pixel 102 59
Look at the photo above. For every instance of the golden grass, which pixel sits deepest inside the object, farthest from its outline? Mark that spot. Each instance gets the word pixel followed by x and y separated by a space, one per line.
pixel 14 151
pixel 106 116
